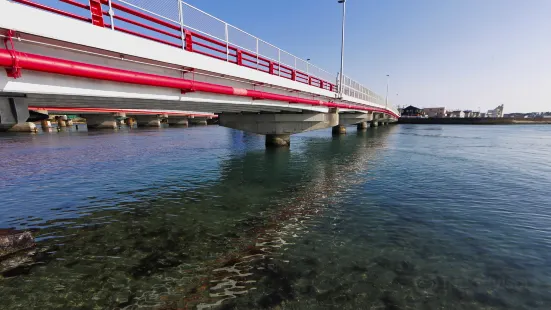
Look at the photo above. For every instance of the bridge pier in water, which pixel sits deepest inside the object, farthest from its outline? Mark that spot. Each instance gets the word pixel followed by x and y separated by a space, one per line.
pixel 45 124
pixel 103 121
pixel 198 121
pixel 149 120
pixel 278 127
pixel 178 121
pixel 362 126
pixel 338 130
pixel 346 119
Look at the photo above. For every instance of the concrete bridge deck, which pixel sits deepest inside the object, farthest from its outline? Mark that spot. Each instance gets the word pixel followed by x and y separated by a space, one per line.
pixel 96 65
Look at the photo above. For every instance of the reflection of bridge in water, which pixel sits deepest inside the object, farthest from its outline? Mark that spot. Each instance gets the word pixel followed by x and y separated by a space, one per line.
pixel 198 240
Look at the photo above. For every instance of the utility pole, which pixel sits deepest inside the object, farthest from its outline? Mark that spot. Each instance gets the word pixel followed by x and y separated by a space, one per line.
pixel 341 82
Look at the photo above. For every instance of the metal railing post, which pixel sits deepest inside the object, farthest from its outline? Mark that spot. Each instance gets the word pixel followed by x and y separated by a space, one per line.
pixel 279 62
pixel 227 43
pixel 257 53
pixel 181 15
pixel 111 14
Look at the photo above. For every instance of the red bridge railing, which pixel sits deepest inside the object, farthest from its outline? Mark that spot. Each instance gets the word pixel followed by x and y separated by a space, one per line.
pixel 125 17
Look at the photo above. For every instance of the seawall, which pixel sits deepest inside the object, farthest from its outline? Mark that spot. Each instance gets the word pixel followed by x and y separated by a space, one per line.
pixel 473 121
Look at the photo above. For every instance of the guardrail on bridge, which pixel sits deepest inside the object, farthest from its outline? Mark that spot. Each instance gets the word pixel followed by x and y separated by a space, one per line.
pixel 181 25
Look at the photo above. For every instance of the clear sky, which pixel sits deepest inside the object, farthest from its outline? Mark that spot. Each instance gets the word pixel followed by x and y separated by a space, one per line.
pixel 465 54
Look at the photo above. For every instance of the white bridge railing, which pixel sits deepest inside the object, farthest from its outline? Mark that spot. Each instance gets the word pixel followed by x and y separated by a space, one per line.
pixel 179 24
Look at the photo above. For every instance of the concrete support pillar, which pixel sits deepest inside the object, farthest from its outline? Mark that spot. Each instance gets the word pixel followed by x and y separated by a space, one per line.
pixel 23 127
pixel 13 110
pixel 198 121
pixel 178 121
pixel 279 126
pixel 148 121
pixel 61 121
pixel 129 122
pixel 362 126
pixel 339 130
pixel 374 124
pixel 350 119
pixel 101 121
pixel 278 140
pixel 46 124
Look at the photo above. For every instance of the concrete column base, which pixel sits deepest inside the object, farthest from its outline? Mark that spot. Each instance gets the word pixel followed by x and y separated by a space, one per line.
pixel 46 124
pixel 178 121
pixel 198 121
pixel 362 126
pixel 129 122
pixel 101 121
pixel 374 124
pixel 275 140
pixel 23 127
pixel 339 130
pixel 61 121
pixel 148 121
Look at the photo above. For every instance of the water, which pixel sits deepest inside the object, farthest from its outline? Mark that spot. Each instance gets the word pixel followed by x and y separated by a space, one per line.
pixel 401 217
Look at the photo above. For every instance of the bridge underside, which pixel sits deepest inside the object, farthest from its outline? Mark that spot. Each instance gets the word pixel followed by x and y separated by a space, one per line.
pixel 45 100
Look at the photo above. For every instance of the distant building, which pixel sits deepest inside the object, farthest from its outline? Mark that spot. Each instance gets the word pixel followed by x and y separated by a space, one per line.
pixel 456 114
pixel 412 111
pixel 497 112
pixel 435 112
pixel 475 114
pixel 514 115
pixel 468 113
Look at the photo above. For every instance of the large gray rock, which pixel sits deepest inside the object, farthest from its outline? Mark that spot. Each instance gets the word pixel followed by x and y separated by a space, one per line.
pixel 16 249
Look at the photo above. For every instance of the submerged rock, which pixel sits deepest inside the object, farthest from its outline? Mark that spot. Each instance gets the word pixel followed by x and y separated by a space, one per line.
pixel 16 249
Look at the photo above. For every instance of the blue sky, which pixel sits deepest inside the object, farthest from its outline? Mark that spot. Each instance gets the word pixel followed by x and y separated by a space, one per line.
pixel 465 54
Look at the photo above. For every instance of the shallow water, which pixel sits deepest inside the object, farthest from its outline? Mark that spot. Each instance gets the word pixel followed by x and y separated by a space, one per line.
pixel 400 217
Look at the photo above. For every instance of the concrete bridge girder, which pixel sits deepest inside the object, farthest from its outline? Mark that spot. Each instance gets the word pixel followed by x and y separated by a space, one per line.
pixel 279 123
pixel 346 119
pixel 279 126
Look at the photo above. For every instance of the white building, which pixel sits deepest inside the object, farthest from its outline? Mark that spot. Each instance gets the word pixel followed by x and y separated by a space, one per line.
pixel 497 112
pixel 435 112
pixel 456 114
pixel 468 113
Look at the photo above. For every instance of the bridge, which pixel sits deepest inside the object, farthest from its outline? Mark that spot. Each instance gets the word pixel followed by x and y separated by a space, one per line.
pixel 105 55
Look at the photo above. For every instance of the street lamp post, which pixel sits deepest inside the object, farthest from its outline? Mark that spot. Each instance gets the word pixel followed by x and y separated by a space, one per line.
pixel 341 82
pixel 308 66
pixel 387 82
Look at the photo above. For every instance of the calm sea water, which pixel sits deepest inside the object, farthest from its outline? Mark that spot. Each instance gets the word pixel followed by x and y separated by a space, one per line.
pixel 400 217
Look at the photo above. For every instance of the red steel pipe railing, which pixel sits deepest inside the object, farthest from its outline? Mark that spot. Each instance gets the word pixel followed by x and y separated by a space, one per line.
pixel 172 31
pixel 46 64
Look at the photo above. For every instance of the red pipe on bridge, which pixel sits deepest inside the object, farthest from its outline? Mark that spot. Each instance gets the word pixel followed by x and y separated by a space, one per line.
pixel 128 111
pixel 72 68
